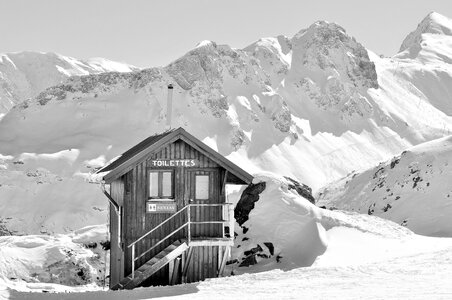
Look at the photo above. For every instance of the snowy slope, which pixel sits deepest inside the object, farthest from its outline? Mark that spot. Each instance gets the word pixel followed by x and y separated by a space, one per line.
pixel 286 231
pixel 25 74
pixel 71 260
pixel 313 107
pixel 413 189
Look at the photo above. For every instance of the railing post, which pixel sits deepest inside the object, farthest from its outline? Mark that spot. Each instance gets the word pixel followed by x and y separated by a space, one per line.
pixel 133 261
pixel 189 225
pixel 231 220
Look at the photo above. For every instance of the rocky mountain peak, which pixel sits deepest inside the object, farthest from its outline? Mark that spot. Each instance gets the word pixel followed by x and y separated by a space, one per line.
pixel 333 70
pixel 329 34
pixel 433 23
pixel 327 46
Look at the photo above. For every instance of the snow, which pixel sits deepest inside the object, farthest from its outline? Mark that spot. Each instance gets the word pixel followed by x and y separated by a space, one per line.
pixel 204 43
pixel 25 74
pixel 412 189
pixel 431 41
pixel 42 261
pixel 433 23
pixel 105 65
pixel 362 257
pixel 303 234
pixel 315 107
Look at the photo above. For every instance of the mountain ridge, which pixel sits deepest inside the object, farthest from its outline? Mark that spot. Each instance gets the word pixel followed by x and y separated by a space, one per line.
pixel 25 74
pixel 313 107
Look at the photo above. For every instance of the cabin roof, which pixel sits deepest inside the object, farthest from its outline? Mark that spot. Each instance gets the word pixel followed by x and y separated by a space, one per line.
pixel 129 159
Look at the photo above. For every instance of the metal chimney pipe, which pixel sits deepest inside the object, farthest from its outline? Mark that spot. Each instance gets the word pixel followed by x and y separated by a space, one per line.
pixel 169 106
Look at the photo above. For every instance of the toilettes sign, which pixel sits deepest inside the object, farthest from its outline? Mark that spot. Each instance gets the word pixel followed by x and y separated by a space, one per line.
pixel 175 163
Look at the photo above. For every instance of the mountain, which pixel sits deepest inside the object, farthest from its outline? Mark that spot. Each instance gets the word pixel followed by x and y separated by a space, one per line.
pixel 431 41
pixel 313 107
pixel 24 75
pixel 412 189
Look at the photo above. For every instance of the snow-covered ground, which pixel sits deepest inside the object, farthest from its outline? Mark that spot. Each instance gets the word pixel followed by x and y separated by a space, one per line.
pixel 77 259
pixel 422 276
pixel 354 257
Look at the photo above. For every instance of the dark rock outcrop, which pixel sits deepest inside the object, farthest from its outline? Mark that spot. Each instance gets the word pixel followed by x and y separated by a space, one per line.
pixel 246 203
pixel 302 189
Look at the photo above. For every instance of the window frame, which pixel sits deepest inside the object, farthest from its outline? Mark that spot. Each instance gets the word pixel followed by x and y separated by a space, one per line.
pixel 159 197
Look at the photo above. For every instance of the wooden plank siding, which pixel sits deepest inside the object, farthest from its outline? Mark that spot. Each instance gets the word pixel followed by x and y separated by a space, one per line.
pixel 204 263
pixel 137 222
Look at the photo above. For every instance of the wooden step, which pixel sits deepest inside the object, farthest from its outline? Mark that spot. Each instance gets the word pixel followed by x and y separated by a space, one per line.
pixel 152 266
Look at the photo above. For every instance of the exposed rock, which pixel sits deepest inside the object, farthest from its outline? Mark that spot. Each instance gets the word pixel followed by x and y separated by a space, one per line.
pixel 250 256
pixel 270 247
pixel 246 203
pixel 302 189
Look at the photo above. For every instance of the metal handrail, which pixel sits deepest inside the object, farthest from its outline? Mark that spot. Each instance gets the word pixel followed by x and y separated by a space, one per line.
pixel 158 226
pixel 162 240
pixel 171 217
pixel 188 223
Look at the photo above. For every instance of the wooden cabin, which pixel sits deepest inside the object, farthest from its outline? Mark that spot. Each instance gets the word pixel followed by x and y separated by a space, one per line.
pixel 169 219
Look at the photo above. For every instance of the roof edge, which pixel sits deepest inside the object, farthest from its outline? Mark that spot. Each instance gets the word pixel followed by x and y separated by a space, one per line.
pixel 174 135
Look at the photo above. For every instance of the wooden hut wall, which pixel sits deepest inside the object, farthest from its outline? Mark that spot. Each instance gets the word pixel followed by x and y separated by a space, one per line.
pixel 137 222
pixel 204 263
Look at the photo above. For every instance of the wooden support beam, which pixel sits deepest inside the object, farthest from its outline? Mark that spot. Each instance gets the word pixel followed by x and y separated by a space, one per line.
pixel 223 261
pixel 170 271
pixel 187 264
pixel 175 272
pixel 220 257
pixel 223 186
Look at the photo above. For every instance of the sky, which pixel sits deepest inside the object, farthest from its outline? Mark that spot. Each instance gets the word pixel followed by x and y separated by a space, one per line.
pixel 150 33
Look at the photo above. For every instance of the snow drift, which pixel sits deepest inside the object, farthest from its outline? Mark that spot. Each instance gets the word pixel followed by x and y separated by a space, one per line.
pixel 286 231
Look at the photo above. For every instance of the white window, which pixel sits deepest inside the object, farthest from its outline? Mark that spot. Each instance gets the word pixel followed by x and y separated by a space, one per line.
pixel 167 184
pixel 202 187
pixel 161 185
pixel 154 184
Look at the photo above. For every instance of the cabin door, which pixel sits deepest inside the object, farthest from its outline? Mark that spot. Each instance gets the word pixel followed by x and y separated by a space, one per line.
pixel 203 193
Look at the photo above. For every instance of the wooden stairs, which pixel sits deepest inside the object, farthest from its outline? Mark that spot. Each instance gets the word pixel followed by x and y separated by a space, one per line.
pixel 153 265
